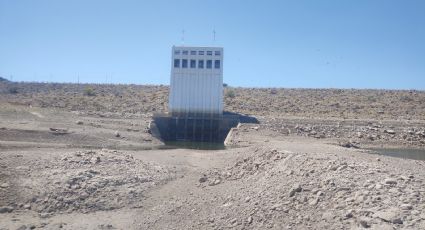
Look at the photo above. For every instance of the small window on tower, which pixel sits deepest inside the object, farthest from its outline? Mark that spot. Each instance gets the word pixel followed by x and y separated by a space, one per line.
pixel 185 52
pixel 209 64
pixel 217 53
pixel 209 53
pixel 192 52
pixel 201 64
pixel 192 64
pixel 176 63
pixel 177 52
pixel 201 53
pixel 184 63
pixel 217 64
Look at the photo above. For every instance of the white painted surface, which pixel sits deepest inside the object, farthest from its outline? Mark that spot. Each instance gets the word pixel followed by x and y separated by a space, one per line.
pixel 194 90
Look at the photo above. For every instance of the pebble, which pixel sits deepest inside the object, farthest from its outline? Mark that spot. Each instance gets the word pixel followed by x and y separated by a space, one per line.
pixel 250 219
pixel 203 179
pixel 44 215
pixel 391 215
pixel 349 214
pixel 364 222
pixel 79 122
pixel 276 207
pixel 83 195
pixel 294 189
pixel 95 160
pixel 314 201
pixel 342 167
pixel 390 181
pixel 117 134
pixel 4 185
pixel 406 207
pixel 215 182
pixel 389 131
pixel 397 220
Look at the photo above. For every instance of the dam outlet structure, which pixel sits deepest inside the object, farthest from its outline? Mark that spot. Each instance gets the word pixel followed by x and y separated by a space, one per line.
pixel 195 111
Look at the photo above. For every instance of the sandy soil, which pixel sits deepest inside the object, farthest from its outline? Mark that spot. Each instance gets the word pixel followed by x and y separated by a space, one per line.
pixel 89 162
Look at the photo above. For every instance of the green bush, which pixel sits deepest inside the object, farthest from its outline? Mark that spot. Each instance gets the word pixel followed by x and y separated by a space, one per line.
pixel 89 91
pixel 406 98
pixel 230 93
pixel 13 90
pixel 371 99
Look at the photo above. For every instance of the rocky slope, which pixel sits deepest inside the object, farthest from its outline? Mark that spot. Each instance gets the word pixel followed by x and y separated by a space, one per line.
pixel 133 100
pixel 82 181
pixel 282 190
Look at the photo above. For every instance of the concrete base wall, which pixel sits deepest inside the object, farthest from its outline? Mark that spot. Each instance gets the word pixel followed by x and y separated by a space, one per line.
pixel 200 129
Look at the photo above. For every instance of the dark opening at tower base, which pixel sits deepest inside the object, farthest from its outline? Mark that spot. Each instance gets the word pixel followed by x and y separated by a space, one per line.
pixel 188 128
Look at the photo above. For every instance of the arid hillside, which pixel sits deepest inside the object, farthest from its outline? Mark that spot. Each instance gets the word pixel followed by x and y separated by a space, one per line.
pixel 137 100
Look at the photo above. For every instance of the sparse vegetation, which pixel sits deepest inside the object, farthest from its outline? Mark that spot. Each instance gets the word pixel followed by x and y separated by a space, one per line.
pixel 371 99
pixel 12 90
pixel 89 91
pixel 230 93
pixel 405 98
pixel 2 79
pixel 133 100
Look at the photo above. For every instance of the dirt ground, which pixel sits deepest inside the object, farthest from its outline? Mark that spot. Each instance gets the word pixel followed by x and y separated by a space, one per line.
pixel 89 162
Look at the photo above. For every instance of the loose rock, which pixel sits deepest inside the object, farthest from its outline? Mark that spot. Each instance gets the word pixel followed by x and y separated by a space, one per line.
pixel 391 215
pixel 390 181
pixel 296 188
pixel 203 179
pixel 4 185
pixel 5 209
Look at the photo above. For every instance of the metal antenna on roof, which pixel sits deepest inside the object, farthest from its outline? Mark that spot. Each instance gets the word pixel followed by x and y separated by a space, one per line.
pixel 183 37
pixel 214 36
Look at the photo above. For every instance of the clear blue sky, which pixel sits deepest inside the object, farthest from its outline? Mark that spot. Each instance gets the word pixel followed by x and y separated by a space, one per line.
pixel 311 44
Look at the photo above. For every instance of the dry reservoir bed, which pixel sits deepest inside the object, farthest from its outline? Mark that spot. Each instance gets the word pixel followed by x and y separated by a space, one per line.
pixel 83 163
pixel 275 182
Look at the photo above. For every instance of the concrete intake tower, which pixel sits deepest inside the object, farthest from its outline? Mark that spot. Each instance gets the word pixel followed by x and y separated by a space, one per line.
pixel 195 109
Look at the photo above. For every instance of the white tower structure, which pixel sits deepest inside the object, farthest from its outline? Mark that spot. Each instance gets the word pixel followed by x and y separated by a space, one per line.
pixel 196 81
